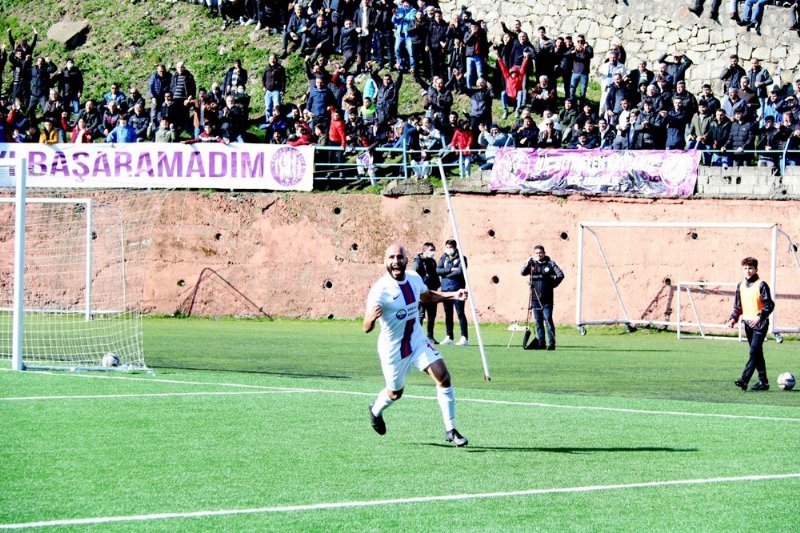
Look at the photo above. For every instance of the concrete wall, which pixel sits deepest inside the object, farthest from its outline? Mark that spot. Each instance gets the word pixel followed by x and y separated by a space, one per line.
pixel 315 255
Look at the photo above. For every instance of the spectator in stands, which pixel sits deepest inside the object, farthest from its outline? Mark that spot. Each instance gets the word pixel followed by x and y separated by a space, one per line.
pixel 457 58
pixel 317 39
pixel 760 80
pixel 616 93
pixel 139 120
pixel 49 134
pixel 70 84
pixel 582 56
pixel 81 134
pixel 232 120
pixel 430 138
pixel 563 64
pixel 641 75
pixel 134 97
pixel 649 128
pixel 718 135
pixel 480 105
pixel 348 44
pixel 732 73
pixel 438 100
pixel 772 107
pixel 513 80
pixel 732 102
pixel 790 130
pixel 711 101
pixel 527 135
pixel 25 48
pixel 678 67
pixel 388 95
pixel 462 143
pixel 116 96
pixel 21 65
pixel 741 139
pixel 157 86
pixel 437 34
pixel 549 136
pixel 607 72
pixel 687 99
pixel 295 29
pixel 699 127
pixel 605 134
pixel 676 121
pixel 567 117
pixel 170 111
pixel 109 118
pixel 491 139
pixel 234 77
pixel 165 132
pixel 40 82
pixel 122 132
pixel 627 137
pixel 477 50
pixel 771 141
pixel 752 104
pixel 545 58
pixel 274 82
pixel 403 19
pixel 91 118
pixel 183 86
pixel 543 96
pixel 351 97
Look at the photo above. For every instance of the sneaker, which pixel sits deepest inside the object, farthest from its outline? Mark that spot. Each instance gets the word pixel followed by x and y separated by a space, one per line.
pixel 258 26
pixel 551 347
pixel 741 384
pixel 377 422
pixel 760 386
pixel 462 342
pixel 249 22
pixel 505 114
pixel 456 438
pixel 447 340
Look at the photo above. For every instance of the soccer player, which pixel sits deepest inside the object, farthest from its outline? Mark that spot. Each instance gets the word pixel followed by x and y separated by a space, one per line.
pixel 753 304
pixel 394 300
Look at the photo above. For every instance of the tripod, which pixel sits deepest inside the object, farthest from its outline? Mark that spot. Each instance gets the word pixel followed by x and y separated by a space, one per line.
pixel 536 343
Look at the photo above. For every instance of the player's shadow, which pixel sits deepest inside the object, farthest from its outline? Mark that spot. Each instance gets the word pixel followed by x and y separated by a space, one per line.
pixel 566 449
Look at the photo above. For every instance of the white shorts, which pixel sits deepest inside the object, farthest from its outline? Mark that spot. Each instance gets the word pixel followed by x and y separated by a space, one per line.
pixel 395 369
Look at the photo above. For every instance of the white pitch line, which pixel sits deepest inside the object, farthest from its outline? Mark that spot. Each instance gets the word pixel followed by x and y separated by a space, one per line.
pixel 543 405
pixel 394 501
pixel 145 395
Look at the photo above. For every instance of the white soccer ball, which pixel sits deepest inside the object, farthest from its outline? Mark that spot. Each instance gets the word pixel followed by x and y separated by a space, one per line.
pixel 786 381
pixel 110 359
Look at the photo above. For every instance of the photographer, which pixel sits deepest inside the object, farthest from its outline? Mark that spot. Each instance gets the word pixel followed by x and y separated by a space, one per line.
pixel 545 275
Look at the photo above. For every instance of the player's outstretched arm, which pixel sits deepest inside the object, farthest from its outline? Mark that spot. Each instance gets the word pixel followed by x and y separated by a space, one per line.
pixel 371 317
pixel 434 297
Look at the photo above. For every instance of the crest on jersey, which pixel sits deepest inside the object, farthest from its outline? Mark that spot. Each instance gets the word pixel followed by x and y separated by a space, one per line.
pixel 401 314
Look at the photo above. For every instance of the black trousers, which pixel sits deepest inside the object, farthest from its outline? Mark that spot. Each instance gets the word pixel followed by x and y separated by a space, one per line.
pixel 756 362
pixel 448 317
pixel 428 311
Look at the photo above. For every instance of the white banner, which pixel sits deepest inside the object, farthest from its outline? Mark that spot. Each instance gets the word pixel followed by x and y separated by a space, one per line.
pixel 165 165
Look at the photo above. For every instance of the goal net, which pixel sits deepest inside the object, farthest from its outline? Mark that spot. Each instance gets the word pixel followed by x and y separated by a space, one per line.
pixel 82 281
pixel 681 275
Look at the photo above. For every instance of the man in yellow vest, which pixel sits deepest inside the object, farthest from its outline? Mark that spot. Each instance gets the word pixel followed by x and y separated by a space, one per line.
pixel 753 304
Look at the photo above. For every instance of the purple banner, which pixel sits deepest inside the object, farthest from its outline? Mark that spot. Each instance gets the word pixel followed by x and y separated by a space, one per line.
pixel 641 172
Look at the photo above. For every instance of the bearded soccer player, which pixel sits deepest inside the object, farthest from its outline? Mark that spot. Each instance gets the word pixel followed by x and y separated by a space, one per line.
pixel 394 300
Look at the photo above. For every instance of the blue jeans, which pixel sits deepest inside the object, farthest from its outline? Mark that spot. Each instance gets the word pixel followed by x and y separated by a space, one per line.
pixel 399 44
pixel 578 79
pixel 520 100
pixel 474 63
pixel 752 10
pixel 272 99
pixel 543 316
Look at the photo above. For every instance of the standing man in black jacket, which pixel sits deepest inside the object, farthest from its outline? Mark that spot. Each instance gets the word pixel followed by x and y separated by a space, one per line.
pixel 545 275
pixel 425 266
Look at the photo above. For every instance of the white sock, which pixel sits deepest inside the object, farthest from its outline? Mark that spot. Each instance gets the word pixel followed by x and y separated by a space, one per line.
pixel 447 403
pixel 382 402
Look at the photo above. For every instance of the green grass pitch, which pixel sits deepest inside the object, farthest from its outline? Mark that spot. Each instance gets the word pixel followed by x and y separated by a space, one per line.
pixel 262 425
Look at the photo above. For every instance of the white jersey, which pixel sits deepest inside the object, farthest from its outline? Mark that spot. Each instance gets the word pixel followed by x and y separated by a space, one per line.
pixel 401 332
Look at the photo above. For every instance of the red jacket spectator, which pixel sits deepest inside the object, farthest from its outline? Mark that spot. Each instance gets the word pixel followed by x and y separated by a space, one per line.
pixel 336 132
pixel 513 77
pixel 462 140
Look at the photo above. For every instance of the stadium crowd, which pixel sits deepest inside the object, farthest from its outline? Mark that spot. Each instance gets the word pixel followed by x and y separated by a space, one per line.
pixel 539 81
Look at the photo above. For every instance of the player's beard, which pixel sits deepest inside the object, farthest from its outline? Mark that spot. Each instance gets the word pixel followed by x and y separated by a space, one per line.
pixel 393 269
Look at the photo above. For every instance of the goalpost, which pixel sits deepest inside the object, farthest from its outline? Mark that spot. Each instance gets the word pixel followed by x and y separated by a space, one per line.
pixel 691 251
pixel 76 279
